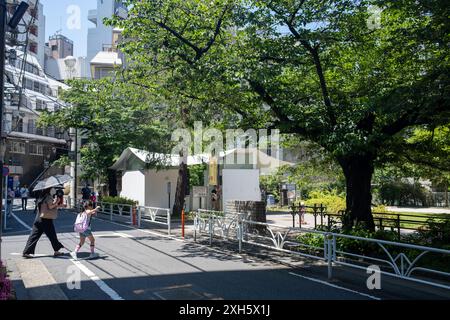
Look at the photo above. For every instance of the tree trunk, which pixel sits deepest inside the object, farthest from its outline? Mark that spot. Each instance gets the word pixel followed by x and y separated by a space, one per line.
pixel 358 171
pixel 112 183
pixel 180 194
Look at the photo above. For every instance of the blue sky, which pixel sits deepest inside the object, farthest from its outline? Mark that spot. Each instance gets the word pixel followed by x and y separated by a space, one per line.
pixel 57 18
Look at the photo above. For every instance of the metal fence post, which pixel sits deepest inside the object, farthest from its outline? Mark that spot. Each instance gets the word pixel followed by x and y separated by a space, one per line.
pixel 315 216
pixel 321 214
pixel 139 217
pixel 168 222
pixel 334 247
pixel 240 231
pixel 195 227
pixel 330 256
pixel 398 226
pixel 210 230
pixel 111 211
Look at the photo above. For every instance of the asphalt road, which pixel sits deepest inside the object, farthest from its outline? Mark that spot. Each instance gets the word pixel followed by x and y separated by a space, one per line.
pixel 146 264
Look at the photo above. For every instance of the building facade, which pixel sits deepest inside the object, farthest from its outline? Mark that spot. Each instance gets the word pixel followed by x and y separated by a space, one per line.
pixel 33 22
pixel 102 40
pixel 28 92
pixel 60 46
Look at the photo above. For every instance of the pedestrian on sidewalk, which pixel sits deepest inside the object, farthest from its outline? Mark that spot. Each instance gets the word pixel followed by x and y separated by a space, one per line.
pixel 10 200
pixel 47 212
pixel 86 193
pixel 94 199
pixel 302 212
pixel 24 194
pixel 83 226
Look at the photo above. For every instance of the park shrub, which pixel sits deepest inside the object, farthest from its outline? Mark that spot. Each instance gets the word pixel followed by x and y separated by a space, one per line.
pixel 380 209
pixel 333 201
pixel 352 245
pixel 5 284
pixel 118 200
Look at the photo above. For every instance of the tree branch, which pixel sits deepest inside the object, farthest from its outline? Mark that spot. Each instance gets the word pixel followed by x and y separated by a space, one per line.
pixel 316 59
pixel 267 98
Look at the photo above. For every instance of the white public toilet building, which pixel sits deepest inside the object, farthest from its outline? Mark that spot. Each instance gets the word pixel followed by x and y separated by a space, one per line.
pixel 156 188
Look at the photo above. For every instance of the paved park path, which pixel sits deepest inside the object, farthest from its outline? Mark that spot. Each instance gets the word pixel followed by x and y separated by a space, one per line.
pixel 147 264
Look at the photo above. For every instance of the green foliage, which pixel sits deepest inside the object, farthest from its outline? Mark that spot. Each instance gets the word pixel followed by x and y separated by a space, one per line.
pixel 113 115
pixel 403 193
pixel 271 183
pixel 62 162
pixel 197 175
pixel 316 170
pixel 436 234
pixel 118 200
pixel 331 199
pixel 380 209
pixel 354 91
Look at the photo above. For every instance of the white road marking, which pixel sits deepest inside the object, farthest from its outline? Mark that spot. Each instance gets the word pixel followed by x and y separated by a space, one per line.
pixel 334 286
pixel 124 235
pixel 102 285
pixel 21 222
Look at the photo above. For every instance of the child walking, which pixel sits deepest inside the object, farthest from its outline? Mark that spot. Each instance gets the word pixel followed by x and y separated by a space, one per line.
pixel 83 225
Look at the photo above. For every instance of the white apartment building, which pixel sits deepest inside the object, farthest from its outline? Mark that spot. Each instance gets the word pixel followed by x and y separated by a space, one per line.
pixel 102 40
pixel 28 91
pixel 34 22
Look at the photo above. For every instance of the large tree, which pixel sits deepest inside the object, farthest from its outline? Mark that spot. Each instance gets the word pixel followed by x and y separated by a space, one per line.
pixel 112 115
pixel 314 68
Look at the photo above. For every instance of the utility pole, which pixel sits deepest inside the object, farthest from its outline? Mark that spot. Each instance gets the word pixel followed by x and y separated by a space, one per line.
pixel 13 23
pixel 2 89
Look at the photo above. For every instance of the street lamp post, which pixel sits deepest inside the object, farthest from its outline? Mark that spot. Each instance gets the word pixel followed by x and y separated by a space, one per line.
pixel 73 165
pixel 70 63
pixel 13 23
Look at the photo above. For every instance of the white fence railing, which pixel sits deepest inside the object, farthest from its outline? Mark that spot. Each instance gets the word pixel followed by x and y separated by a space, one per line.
pixel 393 258
pixel 135 214
pixel 154 215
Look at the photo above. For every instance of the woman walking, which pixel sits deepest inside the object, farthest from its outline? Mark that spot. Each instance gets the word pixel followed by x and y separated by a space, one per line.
pixel 47 212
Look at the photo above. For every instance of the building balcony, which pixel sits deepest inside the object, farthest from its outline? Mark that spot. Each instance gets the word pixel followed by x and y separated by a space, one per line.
pixel 92 16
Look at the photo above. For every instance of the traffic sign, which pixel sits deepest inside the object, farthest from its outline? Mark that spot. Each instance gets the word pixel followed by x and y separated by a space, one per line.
pixel 5 171
pixel 200 192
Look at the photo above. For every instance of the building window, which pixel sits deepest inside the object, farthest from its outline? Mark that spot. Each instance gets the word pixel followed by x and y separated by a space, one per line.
pixel 17 124
pixel 41 105
pixel 51 131
pixel 31 68
pixel 32 126
pixel 17 147
pixel 36 149
pixel 28 83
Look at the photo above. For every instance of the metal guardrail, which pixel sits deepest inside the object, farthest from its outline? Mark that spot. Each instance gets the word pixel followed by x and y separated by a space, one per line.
pixel 154 215
pixel 395 259
pixel 136 214
pixel 393 221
